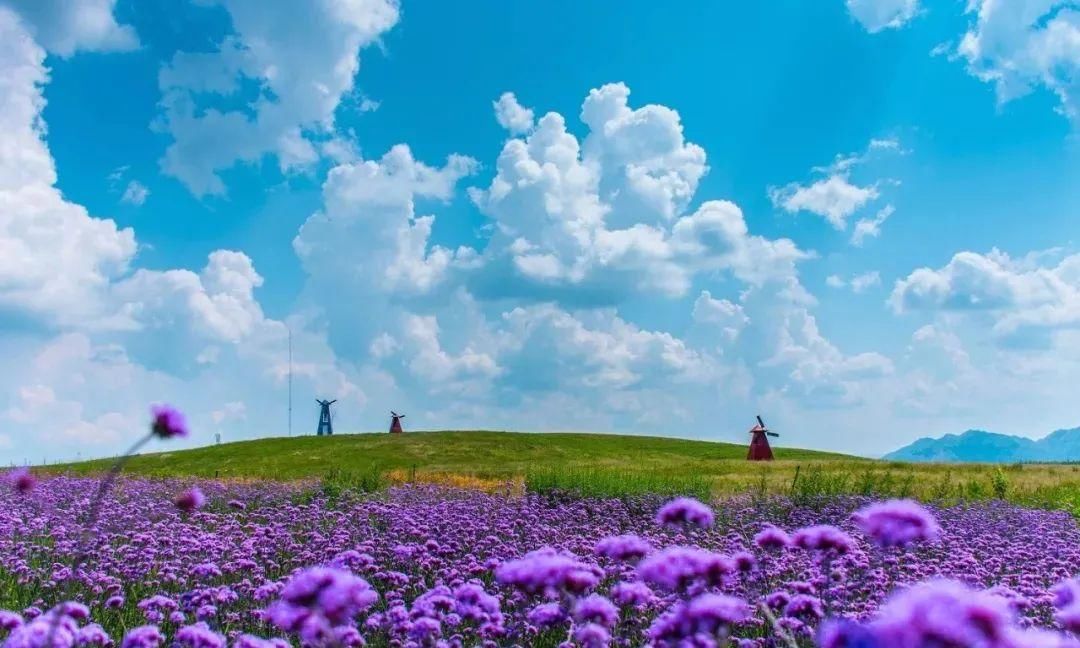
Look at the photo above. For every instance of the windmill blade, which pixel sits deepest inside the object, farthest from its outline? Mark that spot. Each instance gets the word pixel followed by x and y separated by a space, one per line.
pixel 760 422
pixel 772 434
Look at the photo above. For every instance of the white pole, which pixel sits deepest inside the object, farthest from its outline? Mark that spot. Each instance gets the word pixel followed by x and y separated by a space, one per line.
pixel 289 380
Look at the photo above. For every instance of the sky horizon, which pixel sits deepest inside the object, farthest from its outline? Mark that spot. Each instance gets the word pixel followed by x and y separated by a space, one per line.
pixel 857 218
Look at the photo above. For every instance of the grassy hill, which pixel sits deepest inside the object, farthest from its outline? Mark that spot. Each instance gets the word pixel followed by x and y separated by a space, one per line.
pixel 599 464
pixel 479 453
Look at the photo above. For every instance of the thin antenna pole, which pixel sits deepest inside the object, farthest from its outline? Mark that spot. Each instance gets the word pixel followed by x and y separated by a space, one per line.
pixel 290 380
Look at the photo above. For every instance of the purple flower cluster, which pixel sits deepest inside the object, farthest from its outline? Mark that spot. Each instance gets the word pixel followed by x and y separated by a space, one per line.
pixel 190 500
pixel 317 602
pixel 268 565
pixel 942 613
pixel 168 422
pixel 897 523
pixel 685 511
pixel 623 547
pixel 21 480
pixel 549 572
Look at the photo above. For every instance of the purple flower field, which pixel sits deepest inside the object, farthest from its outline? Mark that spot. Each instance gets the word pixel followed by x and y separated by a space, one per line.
pixel 262 564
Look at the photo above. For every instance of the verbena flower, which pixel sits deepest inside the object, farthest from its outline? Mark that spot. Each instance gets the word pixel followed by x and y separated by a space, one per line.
pixel 596 609
pixel 21 480
pixel 623 547
pixel 772 538
pixel 1067 604
pixel 548 571
pixel 804 605
pixel 707 615
pixel 198 636
pixel 251 641
pixel 93 635
pixel 592 635
pixel 744 561
pixel 897 523
pixel 10 620
pixel 675 568
pixel 190 500
pixel 935 613
pixel 823 538
pixel 168 422
pixel 846 634
pixel 632 594
pixel 685 511
pixel 546 615
pixel 147 636
pixel 318 599
pixel 36 633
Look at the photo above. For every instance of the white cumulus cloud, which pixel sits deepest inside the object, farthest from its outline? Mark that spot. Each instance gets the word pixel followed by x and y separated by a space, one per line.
pixel 1021 45
pixel 55 259
pixel 303 59
pixel 878 15
pixel 65 27
pixel 513 116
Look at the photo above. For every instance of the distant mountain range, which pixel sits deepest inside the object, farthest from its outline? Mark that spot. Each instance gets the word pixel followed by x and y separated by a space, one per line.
pixel 982 446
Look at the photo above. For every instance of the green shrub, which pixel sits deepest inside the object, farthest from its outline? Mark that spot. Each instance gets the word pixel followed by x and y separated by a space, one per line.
pixel 1000 483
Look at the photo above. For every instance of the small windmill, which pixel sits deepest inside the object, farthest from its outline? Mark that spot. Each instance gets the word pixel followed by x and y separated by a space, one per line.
pixel 326 423
pixel 759 442
pixel 395 422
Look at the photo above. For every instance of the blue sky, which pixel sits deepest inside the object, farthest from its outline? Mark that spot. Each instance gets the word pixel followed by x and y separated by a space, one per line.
pixel 856 217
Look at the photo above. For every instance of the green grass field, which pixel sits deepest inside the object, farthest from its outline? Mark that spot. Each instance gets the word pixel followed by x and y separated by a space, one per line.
pixel 599 464
pixel 479 453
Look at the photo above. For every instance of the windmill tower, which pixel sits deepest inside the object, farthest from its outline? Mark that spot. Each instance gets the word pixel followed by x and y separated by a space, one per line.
pixel 759 442
pixel 395 422
pixel 326 424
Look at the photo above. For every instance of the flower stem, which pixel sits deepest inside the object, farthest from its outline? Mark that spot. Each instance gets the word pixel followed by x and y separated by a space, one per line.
pixel 91 519
pixel 780 632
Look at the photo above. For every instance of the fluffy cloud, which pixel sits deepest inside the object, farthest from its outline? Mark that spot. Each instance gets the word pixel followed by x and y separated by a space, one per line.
pixel 429 361
pixel 1032 294
pixel 303 62
pixel 135 193
pixel 1024 44
pixel 513 116
pixel 606 217
pixel 217 305
pixel 858 283
pixel 870 227
pixel 878 15
pixel 55 259
pixel 368 234
pixel 820 373
pixel 595 351
pixel 730 317
pixel 835 197
pixel 65 27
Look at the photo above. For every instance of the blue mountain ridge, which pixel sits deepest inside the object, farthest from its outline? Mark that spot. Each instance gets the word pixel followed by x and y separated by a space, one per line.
pixel 990 447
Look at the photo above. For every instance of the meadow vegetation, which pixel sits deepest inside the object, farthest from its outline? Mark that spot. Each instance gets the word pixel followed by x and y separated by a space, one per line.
pixel 602 466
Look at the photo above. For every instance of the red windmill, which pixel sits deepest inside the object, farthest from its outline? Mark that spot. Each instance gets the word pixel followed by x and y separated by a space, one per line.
pixel 759 442
pixel 395 422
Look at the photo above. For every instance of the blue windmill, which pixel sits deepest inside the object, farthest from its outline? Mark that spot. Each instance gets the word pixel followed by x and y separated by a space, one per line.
pixel 326 422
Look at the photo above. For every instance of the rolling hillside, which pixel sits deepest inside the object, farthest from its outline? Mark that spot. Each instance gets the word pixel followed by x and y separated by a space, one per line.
pixel 481 453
